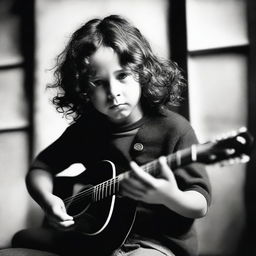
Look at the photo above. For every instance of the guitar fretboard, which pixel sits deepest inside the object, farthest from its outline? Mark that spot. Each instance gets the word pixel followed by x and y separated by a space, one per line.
pixel 175 160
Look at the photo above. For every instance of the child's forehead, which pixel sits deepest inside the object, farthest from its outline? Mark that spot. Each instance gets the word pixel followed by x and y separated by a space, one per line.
pixel 104 58
pixel 103 55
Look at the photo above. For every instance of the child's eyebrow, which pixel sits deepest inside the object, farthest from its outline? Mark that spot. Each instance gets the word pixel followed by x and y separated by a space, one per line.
pixel 95 77
pixel 122 70
pixel 118 71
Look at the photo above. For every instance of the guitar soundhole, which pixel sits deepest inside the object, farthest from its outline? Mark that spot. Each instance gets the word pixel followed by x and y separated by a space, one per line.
pixel 89 216
pixel 80 201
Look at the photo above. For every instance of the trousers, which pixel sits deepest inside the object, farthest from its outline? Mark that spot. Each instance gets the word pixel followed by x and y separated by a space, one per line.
pixel 70 243
pixel 141 246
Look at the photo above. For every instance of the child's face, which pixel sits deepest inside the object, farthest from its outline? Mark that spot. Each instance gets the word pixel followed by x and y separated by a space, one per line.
pixel 115 92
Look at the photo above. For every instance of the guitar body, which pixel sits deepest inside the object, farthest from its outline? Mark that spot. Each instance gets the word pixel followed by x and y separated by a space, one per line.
pixel 107 221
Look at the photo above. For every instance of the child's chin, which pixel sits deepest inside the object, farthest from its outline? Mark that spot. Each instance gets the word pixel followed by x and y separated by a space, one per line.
pixel 120 117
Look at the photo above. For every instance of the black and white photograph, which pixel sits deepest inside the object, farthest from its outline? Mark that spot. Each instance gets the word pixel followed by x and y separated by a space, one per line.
pixel 127 128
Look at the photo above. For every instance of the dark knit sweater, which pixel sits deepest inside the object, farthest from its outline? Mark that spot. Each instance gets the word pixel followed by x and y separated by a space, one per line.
pixel 90 140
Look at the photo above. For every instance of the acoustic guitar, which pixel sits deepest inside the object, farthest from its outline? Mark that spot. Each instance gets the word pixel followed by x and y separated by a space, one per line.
pixel 100 213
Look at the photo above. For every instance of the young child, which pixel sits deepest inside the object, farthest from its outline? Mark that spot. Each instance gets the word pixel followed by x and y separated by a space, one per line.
pixel 118 93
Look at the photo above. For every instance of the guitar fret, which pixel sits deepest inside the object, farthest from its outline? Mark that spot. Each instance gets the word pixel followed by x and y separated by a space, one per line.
pixel 111 191
pixel 106 189
pixel 146 168
pixel 95 193
pixel 155 165
pixel 98 192
pixel 117 182
pixel 169 160
pixel 109 188
pixel 178 158
pixel 101 191
pixel 194 153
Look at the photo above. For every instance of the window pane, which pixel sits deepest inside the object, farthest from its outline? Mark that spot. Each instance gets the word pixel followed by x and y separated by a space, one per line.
pixel 13 99
pixel 217 93
pixel 227 212
pixel 14 197
pixel 9 35
pixel 218 104
pixel 216 23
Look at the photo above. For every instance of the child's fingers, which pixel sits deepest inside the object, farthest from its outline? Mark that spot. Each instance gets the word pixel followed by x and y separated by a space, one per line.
pixel 62 225
pixel 135 194
pixel 132 183
pixel 166 171
pixel 66 223
pixel 60 214
pixel 142 175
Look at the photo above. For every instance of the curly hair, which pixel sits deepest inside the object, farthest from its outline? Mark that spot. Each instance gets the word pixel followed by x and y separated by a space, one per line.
pixel 161 80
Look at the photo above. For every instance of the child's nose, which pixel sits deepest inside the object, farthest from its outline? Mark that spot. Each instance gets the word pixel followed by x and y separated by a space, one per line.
pixel 114 89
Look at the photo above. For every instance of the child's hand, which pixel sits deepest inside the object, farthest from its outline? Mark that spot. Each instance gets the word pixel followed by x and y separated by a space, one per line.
pixel 144 187
pixel 56 213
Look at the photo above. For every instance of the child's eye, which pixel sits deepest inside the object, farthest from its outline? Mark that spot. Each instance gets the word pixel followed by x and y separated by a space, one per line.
pixel 97 83
pixel 122 76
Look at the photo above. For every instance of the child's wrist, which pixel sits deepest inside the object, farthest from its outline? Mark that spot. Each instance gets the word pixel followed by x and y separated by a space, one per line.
pixel 173 198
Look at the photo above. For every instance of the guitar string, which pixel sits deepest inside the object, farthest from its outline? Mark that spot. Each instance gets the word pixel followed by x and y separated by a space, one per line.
pixel 100 187
pixel 149 167
pixel 91 190
pixel 104 185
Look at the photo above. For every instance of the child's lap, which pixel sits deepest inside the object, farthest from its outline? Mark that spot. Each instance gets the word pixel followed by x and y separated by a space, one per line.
pixel 139 246
pixel 140 252
pixel 65 243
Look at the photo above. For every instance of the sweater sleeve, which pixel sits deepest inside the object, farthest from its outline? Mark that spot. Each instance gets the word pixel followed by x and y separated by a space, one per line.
pixel 192 176
pixel 59 155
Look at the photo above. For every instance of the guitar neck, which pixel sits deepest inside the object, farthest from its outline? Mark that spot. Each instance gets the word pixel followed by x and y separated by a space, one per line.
pixel 178 159
pixel 236 145
pixel 175 160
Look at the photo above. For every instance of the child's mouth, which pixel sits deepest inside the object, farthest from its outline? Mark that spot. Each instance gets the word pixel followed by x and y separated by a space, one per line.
pixel 118 106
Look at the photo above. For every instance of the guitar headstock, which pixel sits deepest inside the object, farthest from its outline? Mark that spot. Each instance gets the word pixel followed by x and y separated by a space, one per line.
pixel 232 148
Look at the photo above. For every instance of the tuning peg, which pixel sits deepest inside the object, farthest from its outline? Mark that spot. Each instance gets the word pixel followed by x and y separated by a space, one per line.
pixel 230 134
pixel 224 136
pixel 244 159
pixel 236 160
pixel 230 151
pixel 242 129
